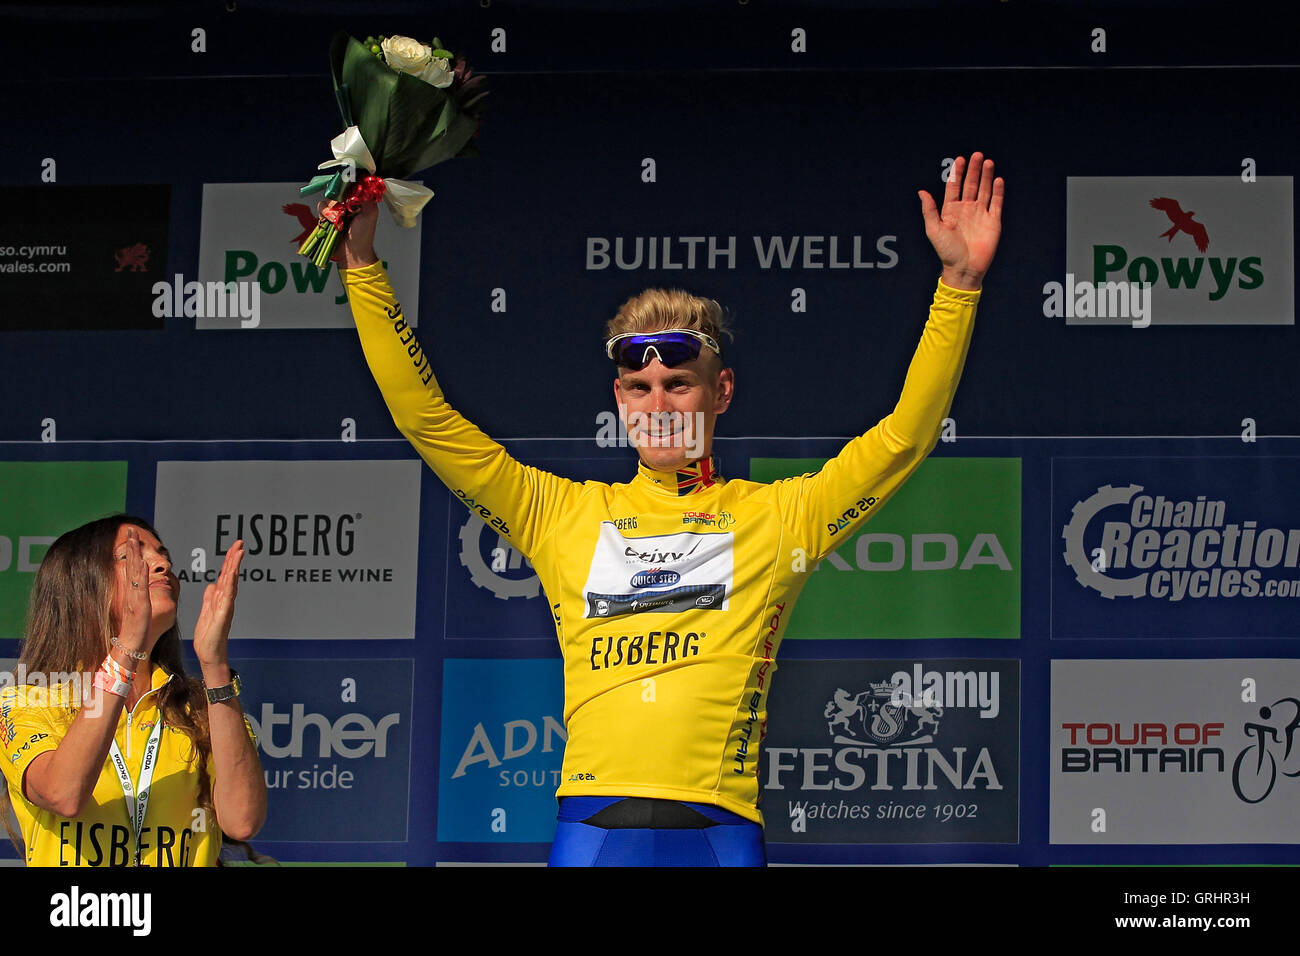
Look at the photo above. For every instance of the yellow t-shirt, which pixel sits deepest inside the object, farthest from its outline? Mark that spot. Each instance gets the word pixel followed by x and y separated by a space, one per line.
pixel 669 593
pixel 33 719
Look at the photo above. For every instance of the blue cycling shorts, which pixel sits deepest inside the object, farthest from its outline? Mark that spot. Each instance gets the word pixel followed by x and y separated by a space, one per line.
pixel 718 838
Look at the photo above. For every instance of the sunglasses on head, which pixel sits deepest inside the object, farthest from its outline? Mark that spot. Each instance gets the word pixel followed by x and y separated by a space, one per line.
pixel 673 347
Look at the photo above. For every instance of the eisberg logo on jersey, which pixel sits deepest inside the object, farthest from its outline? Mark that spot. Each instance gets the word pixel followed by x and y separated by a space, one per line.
pixel 655 578
pixel 669 572
pixel 1179 548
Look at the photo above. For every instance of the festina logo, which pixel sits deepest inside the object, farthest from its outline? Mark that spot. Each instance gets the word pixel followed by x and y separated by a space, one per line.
pixel 898 768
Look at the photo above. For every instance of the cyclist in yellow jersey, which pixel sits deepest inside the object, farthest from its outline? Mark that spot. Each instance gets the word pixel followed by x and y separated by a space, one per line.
pixel 670 593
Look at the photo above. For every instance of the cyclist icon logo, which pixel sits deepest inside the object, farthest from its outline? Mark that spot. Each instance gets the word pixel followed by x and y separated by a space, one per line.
pixel 1255 771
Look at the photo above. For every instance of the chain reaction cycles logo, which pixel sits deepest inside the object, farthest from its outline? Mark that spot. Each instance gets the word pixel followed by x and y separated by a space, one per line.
pixel 498 571
pixel 1179 549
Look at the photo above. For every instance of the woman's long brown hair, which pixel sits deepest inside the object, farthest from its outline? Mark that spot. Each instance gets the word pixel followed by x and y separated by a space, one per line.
pixel 70 626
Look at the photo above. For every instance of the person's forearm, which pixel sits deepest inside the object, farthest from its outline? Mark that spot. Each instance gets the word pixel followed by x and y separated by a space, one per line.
pixel 239 788
pixel 62 780
pixel 935 369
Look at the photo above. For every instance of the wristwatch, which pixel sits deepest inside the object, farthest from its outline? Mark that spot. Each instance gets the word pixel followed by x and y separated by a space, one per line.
pixel 226 692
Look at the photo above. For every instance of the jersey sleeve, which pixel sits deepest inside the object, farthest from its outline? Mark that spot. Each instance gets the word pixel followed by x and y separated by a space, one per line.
pixel 522 503
pixel 26 731
pixel 853 486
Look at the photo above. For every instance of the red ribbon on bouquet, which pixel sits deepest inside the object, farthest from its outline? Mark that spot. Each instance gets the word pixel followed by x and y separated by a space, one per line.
pixel 336 215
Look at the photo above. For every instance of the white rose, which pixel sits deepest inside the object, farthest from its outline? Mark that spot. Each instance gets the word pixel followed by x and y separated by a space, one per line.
pixel 437 72
pixel 406 55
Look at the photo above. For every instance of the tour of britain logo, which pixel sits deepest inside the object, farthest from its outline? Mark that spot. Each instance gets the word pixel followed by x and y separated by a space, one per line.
pixel 1217 740
pixel 895 752
pixel 1178 549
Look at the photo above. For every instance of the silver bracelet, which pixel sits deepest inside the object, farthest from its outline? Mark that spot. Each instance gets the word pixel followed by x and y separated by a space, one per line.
pixel 134 655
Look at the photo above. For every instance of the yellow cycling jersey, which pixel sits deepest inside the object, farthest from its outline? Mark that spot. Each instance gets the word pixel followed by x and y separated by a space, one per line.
pixel 34 719
pixel 669 593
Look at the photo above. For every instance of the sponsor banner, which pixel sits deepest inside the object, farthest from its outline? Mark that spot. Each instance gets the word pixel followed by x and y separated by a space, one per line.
pixel 39 500
pixel 1214 250
pixel 502 744
pixel 493 592
pixel 940 559
pixel 331 545
pixel 666 572
pixel 334 738
pixel 1175 751
pixel 893 751
pixel 251 233
pixel 82 257
pixel 1175 547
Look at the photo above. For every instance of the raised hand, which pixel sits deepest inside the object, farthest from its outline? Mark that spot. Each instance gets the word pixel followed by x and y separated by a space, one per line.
pixel 212 630
pixel 965 232
pixel 356 247
pixel 135 606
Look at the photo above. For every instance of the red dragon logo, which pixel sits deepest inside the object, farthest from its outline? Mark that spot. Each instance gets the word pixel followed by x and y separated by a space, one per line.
pixel 132 258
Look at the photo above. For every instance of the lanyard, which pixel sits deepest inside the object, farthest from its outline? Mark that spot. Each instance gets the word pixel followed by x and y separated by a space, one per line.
pixel 137 794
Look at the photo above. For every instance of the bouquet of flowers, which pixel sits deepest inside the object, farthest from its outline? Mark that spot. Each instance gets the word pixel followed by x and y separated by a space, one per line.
pixel 406 106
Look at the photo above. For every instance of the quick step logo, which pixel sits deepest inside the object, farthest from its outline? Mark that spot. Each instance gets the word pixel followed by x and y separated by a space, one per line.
pixel 1213 250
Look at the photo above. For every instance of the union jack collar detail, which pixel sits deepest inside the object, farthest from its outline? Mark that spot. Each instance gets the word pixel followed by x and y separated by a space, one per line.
pixel 695 477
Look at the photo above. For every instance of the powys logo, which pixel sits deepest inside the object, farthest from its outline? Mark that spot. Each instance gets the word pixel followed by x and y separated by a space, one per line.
pixel 1183 222
pixel 248 234
pixel 927 754
pixel 1245 277
pixel 1127 542
pixel 670 572
pixel 1175 751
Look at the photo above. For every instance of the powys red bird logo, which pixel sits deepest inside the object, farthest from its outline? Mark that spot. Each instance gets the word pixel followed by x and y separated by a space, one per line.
pixel 1183 222
pixel 304 216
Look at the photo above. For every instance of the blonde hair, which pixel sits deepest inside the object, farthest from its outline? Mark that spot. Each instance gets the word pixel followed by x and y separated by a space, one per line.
pixel 655 310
